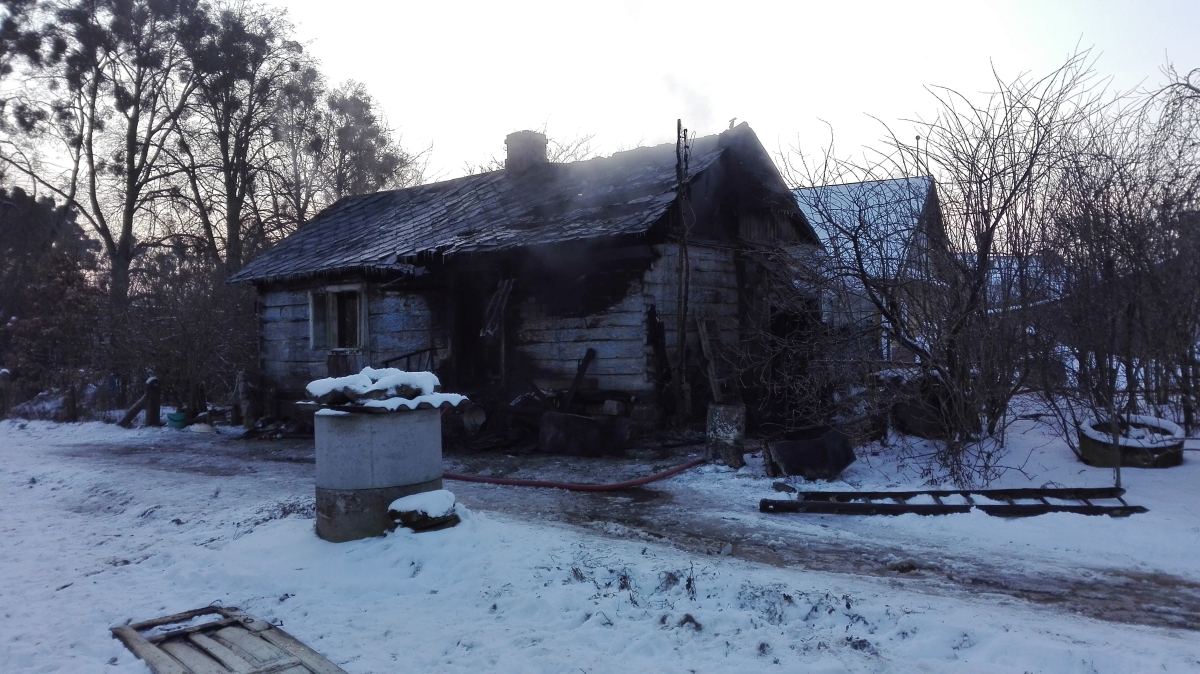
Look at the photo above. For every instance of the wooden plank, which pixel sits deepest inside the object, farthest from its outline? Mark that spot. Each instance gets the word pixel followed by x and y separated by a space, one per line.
pixel 249 623
pixel 399 303
pixel 193 658
pixel 633 382
pixel 567 349
pixel 291 312
pixel 222 653
pixel 313 369
pixel 533 336
pixel 401 318
pixel 608 366
pixel 158 661
pixel 401 342
pixel 246 644
pixel 175 618
pixel 282 298
pixel 715 276
pixel 669 274
pixel 250 646
pixel 635 315
pixel 292 349
pixel 183 631
pixel 720 292
pixel 280 331
pixel 289 666
pixel 315 662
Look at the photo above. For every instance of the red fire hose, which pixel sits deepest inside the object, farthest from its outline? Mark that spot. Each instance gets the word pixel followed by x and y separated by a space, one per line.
pixel 576 487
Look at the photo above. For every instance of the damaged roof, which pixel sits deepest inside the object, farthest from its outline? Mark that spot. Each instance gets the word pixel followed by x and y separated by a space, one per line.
pixel 547 203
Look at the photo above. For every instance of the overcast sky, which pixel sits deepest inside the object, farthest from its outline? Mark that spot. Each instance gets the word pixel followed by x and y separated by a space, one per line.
pixel 462 75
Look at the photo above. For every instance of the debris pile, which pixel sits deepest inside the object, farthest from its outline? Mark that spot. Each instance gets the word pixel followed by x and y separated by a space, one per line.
pixel 427 511
pixel 384 389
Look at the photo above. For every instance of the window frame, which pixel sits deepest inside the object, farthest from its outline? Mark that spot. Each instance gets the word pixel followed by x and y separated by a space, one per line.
pixel 331 318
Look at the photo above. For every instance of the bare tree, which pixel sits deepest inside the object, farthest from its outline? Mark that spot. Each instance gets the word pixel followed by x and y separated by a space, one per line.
pixel 1124 230
pixel 953 292
pixel 17 38
pixel 241 60
pixel 300 149
pixel 116 79
pixel 365 155
pixel 331 144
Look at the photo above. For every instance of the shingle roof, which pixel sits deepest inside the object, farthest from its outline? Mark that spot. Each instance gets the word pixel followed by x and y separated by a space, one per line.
pixel 622 194
pixel 881 218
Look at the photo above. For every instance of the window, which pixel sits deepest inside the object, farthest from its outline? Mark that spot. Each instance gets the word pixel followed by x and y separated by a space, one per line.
pixel 336 318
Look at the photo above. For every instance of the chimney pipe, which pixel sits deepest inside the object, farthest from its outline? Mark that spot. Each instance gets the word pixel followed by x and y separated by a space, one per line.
pixel 525 149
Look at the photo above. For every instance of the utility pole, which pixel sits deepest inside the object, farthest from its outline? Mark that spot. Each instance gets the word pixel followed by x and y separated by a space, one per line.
pixel 679 383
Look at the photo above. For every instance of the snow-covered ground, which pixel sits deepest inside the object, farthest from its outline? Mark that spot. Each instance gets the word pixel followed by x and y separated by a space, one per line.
pixel 1164 540
pixel 100 525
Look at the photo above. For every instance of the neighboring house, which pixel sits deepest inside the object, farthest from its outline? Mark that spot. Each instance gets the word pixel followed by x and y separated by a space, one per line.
pixel 499 279
pixel 876 235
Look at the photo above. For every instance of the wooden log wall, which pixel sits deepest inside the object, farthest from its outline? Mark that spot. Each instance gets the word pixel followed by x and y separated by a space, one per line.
pixel 553 345
pixel 398 323
pixel 403 322
pixel 624 358
pixel 288 361
pixel 713 290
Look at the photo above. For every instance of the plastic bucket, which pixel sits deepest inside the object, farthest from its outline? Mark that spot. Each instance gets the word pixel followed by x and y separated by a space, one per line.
pixel 177 420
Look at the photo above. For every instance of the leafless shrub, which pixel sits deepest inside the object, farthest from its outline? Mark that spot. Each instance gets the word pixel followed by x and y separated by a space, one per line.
pixel 950 266
pixel 1124 231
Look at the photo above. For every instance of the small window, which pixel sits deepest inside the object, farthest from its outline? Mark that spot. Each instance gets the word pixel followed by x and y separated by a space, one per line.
pixel 336 319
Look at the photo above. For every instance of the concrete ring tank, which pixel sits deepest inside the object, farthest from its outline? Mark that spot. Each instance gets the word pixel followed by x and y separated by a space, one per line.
pixel 366 461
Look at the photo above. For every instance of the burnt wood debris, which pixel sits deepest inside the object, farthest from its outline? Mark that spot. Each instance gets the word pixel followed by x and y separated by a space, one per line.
pixel 584 295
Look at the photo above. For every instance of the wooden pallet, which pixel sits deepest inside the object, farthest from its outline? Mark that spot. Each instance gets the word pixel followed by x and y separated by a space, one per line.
pixel 217 640
pixel 995 502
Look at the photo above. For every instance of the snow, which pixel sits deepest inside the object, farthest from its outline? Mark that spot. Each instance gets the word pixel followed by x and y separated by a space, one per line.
pixel 332 413
pixel 95 534
pixel 371 379
pixel 194 621
pixel 359 383
pixel 425 382
pixel 390 381
pixel 1137 437
pixel 1164 540
pixel 438 503
pixel 434 399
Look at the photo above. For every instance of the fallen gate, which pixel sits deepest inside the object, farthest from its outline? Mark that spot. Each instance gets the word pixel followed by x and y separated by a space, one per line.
pixel 219 640
pixel 995 502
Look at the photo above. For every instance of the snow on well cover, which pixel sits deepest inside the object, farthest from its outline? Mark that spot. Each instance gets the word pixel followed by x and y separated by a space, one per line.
pixel 435 399
pixel 432 503
pixel 385 379
pixel 358 382
pixel 1149 441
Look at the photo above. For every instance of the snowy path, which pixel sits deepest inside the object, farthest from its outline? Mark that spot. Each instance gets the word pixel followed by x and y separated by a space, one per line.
pixel 102 525
pixel 1144 569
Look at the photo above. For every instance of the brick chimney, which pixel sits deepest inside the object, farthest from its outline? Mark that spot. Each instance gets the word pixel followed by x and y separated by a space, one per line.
pixel 525 149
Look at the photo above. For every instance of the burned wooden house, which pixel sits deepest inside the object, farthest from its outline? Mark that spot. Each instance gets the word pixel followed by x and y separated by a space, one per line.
pixel 505 279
